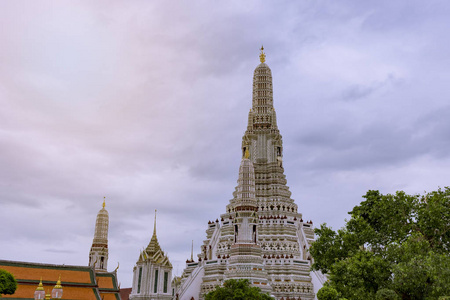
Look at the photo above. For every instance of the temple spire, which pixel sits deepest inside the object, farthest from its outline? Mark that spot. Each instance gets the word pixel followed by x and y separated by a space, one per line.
pixel 153 246
pixel 261 116
pixel 98 256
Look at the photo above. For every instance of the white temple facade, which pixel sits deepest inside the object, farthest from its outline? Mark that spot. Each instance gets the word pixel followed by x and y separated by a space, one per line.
pixel 261 236
pixel 98 255
pixel 152 275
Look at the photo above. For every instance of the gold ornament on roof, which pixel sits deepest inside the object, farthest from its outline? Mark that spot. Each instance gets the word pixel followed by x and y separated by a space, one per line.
pixel 58 283
pixel 104 199
pixel 262 55
pixel 40 286
pixel 247 154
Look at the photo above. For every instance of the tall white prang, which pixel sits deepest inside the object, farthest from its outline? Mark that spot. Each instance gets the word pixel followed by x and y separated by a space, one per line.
pixel 261 236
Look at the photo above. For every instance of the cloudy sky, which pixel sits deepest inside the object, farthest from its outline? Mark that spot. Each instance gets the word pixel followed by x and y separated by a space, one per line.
pixel 146 102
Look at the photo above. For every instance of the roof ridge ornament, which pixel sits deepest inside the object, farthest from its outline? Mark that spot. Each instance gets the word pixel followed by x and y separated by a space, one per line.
pixel 262 55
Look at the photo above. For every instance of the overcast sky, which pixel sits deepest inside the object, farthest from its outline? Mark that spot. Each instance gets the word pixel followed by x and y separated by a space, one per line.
pixel 146 102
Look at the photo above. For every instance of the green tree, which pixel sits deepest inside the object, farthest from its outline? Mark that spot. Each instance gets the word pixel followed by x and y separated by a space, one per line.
pixel 327 293
pixel 237 290
pixel 386 294
pixel 399 242
pixel 8 283
pixel 365 270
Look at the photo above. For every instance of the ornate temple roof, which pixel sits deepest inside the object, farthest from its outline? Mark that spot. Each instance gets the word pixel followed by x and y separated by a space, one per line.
pixel 153 252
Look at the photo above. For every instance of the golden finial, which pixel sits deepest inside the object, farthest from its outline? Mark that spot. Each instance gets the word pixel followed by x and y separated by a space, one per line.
pixel 262 55
pixel 104 199
pixel 58 283
pixel 247 154
pixel 40 286
pixel 154 225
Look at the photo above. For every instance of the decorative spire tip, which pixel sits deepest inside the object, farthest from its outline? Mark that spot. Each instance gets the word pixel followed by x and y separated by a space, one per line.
pixel 262 55
pixel 104 204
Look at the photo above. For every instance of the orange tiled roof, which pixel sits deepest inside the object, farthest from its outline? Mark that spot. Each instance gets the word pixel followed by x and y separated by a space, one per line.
pixel 79 282
pixel 106 281
pixel 107 285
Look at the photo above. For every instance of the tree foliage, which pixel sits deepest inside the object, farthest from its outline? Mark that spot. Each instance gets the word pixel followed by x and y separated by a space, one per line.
pixel 327 293
pixel 8 283
pixel 386 294
pixel 398 242
pixel 237 290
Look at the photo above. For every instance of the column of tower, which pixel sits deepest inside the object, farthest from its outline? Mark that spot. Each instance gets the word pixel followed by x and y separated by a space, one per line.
pixel 98 255
pixel 245 259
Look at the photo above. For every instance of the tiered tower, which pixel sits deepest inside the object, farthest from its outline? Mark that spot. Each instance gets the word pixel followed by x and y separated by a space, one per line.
pixel 262 236
pixel 152 274
pixel 98 256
